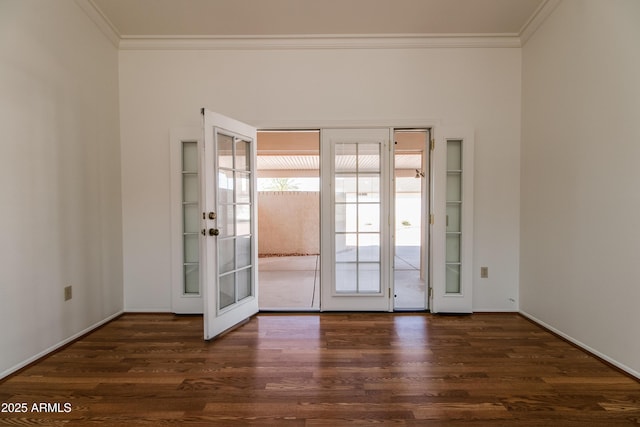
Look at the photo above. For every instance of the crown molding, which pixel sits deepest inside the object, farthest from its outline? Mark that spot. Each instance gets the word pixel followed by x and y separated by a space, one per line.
pixel 315 124
pixel 539 16
pixel 329 41
pixel 289 42
pixel 101 21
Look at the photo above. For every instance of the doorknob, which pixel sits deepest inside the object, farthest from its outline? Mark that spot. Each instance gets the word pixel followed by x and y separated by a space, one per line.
pixel 214 232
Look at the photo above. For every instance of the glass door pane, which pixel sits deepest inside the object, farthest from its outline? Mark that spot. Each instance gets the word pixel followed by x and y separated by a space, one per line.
pixel 190 218
pixel 186 157
pixel 235 224
pixel 453 209
pixel 410 196
pixel 357 211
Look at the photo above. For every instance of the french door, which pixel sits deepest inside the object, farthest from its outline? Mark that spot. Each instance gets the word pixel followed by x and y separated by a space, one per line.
pixel 356 235
pixel 355 220
pixel 229 246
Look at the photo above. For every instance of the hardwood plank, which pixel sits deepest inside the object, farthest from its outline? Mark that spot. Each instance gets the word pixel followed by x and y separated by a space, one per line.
pixel 325 370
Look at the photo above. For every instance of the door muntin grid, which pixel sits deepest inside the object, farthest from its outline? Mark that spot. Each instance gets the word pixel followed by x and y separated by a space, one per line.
pixel 357 214
pixel 190 219
pixel 234 219
pixel 454 232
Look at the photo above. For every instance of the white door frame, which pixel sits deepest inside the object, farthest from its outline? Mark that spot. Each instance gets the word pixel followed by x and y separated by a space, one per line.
pixel 330 299
pixel 425 203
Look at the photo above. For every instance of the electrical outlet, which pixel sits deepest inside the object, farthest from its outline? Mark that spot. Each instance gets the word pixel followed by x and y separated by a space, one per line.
pixel 484 272
pixel 67 293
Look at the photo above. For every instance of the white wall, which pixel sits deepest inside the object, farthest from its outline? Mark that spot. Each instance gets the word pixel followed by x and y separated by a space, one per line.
pixel 60 221
pixel 161 89
pixel 580 220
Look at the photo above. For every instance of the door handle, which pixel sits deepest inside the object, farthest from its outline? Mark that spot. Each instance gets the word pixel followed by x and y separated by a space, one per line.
pixel 214 232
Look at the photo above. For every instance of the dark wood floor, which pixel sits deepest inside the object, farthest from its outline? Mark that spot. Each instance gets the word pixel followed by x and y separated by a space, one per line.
pixel 324 370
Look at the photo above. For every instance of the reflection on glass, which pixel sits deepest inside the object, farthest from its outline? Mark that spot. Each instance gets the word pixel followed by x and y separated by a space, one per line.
pixel 244 283
pixel 454 211
pixel 453 248
pixel 189 156
pixel 346 247
pixel 453 217
pixel 243 187
pixel 243 220
pixel 368 277
pixel 226 255
pixel 454 155
pixel 191 279
pixel 190 187
pixel 226 220
pixel 191 222
pixel 242 155
pixel 346 278
pixel 243 248
pixel 225 186
pixel 346 218
pixel 368 157
pixel 227 294
pixel 454 187
pixel 225 151
pixel 369 247
pixel 341 219
pixel 191 248
pixel 452 279
pixel 345 157
pixel 346 189
pixel 368 188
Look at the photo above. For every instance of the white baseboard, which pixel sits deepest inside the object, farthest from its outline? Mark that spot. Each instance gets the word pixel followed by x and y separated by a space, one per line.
pixel 582 345
pixel 57 346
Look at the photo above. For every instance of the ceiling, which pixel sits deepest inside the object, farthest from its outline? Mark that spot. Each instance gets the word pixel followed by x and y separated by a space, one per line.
pixel 233 18
pixel 367 163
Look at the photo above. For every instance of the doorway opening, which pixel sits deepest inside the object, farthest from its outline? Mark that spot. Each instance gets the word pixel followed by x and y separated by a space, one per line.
pixel 288 172
pixel 385 192
pixel 411 201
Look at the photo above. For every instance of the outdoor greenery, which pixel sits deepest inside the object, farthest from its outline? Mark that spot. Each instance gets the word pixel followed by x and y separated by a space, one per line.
pixel 281 184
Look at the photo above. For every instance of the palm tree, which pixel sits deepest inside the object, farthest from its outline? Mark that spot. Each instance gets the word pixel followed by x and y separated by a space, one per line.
pixel 282 184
